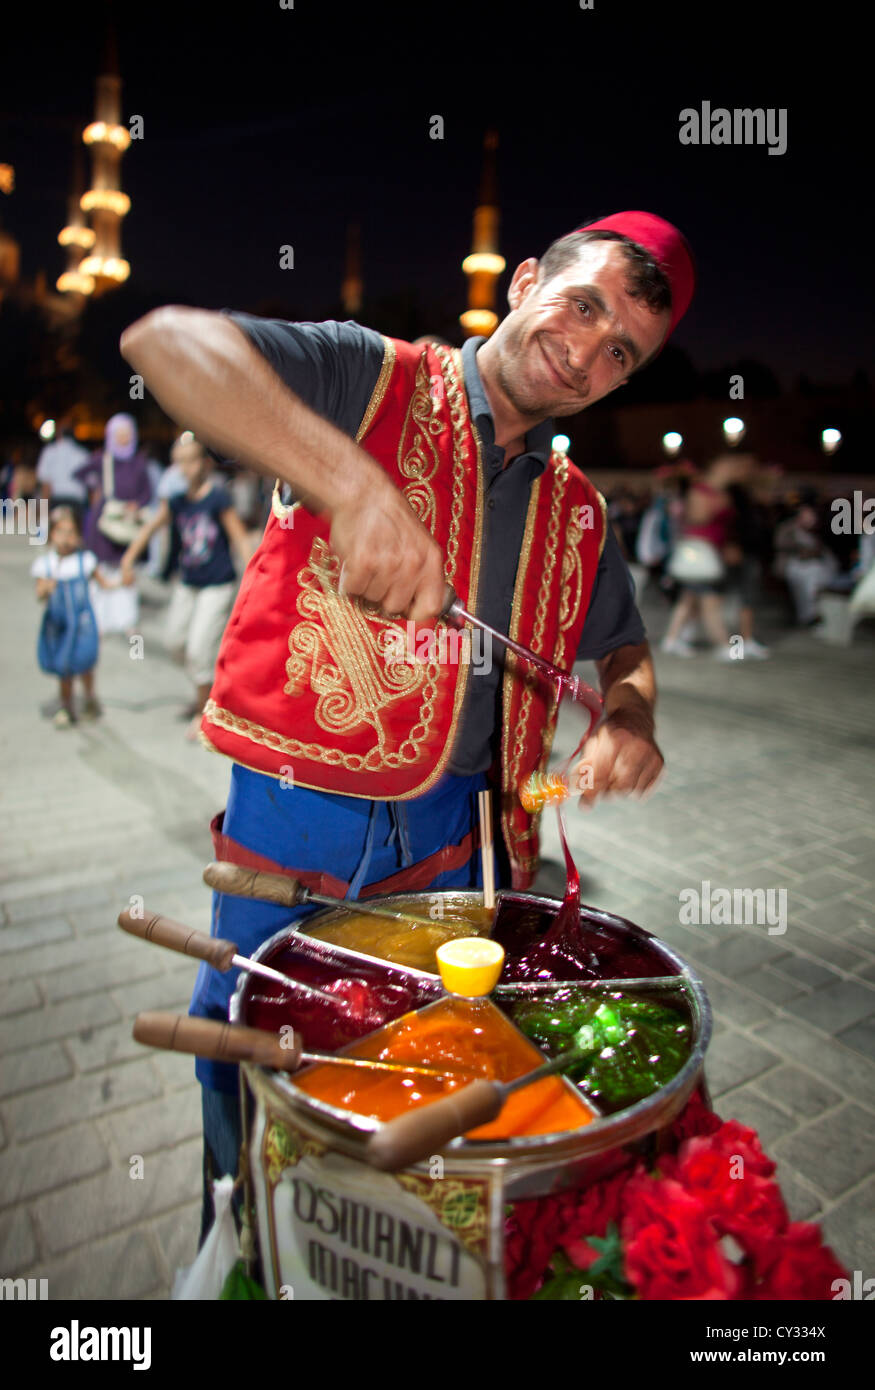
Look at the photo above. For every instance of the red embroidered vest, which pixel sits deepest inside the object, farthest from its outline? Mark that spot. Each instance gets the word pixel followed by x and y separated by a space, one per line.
pixel 318 689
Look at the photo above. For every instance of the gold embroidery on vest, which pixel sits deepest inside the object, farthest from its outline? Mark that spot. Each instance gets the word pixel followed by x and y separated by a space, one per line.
pixel 572 587
pixel 451 365
pixel 411 750
pixel 278 507
pixel 379 390
pixel 345 653
pixel 420 460
pixel 513 764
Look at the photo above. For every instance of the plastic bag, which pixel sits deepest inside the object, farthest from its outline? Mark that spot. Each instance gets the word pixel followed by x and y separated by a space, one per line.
pixel 863 597
pixel 695 561
pixel 206 1278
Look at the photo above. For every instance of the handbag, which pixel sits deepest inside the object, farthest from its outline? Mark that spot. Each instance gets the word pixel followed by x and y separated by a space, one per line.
pixel 116 522
pixel 68 640
pixel 695 561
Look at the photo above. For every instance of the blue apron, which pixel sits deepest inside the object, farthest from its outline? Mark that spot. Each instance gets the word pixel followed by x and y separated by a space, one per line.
pixel 359 841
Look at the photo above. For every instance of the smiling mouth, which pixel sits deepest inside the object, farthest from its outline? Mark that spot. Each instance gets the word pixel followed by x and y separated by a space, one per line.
pixel 554 372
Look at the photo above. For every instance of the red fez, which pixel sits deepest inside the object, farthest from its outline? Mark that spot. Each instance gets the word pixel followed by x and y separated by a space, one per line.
pixel 667 246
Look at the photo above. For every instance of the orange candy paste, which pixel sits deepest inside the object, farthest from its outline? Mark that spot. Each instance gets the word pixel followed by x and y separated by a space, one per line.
pixel 469 1037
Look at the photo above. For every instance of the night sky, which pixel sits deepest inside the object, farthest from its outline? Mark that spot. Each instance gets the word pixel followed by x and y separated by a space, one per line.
pixel 266 126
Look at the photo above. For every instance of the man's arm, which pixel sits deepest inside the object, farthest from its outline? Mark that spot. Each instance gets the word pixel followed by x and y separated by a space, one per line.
pixel 207 376
pixel 622 755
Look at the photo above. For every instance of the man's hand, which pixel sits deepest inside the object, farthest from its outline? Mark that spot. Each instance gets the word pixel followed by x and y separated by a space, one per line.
pixel 618 758
pixel 622 755
pixel 388 556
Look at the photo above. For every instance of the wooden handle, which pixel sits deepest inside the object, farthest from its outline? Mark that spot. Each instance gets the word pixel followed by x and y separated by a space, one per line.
pixel 252 883
pixel 223 1042
pixel 425 1131
pixel 163 931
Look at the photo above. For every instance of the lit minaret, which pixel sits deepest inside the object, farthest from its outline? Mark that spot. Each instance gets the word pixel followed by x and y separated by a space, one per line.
pixel 484 265
pixel 104 200
pixel 77 236
pixel 10 251
pixel 351 289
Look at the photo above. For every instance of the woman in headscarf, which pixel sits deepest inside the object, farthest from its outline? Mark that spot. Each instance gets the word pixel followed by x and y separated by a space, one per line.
pixel 117 473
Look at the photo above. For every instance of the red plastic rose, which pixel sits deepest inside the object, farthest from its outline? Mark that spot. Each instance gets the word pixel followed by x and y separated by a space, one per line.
pixel 531 1236
pixel 750 1207
pixel 737 1141
pixel 580 1252
pixel 672 1250
pixel 596 1207
pixel 800 1266
pixel 695 1118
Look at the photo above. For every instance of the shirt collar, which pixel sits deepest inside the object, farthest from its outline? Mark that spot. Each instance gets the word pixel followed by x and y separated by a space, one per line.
pixel 539 438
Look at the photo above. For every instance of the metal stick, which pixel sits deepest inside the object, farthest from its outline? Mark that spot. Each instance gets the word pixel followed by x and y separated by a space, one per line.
pixel 356 906
pixel 333 1060
pixel 256 968
pixel 637 983
pixel 564 681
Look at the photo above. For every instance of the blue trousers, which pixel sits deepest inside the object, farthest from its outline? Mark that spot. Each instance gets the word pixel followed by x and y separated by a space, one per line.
pixel 361 842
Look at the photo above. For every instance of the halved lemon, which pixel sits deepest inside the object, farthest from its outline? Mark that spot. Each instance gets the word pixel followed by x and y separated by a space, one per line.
pixel 470 965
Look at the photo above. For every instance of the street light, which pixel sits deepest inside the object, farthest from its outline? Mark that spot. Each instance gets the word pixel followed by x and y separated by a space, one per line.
pixel 734 430
pixel 830 440
pixel 479 321
pixel 672 442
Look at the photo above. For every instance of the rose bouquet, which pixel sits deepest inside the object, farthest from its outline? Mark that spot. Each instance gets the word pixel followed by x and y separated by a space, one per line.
pixel 708 1223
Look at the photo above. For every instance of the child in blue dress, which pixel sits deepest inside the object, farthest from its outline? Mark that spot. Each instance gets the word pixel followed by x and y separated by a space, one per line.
pixel 68 640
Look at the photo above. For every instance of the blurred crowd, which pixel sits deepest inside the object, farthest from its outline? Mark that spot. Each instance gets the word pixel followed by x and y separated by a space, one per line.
pixel 121 511
pixel 722 541
pixel 717 544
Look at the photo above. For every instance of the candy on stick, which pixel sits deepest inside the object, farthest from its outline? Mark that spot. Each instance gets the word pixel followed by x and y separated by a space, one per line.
pixel 541 789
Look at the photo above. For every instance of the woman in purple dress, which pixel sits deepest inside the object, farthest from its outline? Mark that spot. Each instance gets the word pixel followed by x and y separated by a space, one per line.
pixel 118 469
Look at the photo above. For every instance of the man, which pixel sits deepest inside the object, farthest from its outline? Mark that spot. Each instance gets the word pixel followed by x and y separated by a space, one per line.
pixel 414 466
pixel 57 467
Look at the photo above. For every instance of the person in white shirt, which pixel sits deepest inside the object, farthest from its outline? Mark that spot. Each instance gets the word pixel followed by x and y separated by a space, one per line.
pixel 57 466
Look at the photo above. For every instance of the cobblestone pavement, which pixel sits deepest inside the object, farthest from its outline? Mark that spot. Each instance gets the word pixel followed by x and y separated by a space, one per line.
pixel 768 785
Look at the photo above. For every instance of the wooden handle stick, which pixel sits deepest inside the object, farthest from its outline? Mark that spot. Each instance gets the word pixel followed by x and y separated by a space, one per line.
pixel 222 1042
pixel 291 892
pixel 221 955
pixel 484 805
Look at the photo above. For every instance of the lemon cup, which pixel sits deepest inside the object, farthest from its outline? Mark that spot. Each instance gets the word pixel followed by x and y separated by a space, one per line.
pixel 470 965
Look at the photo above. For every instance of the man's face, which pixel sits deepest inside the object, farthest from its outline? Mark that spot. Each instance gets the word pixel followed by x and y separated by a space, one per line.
pixel 571 340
